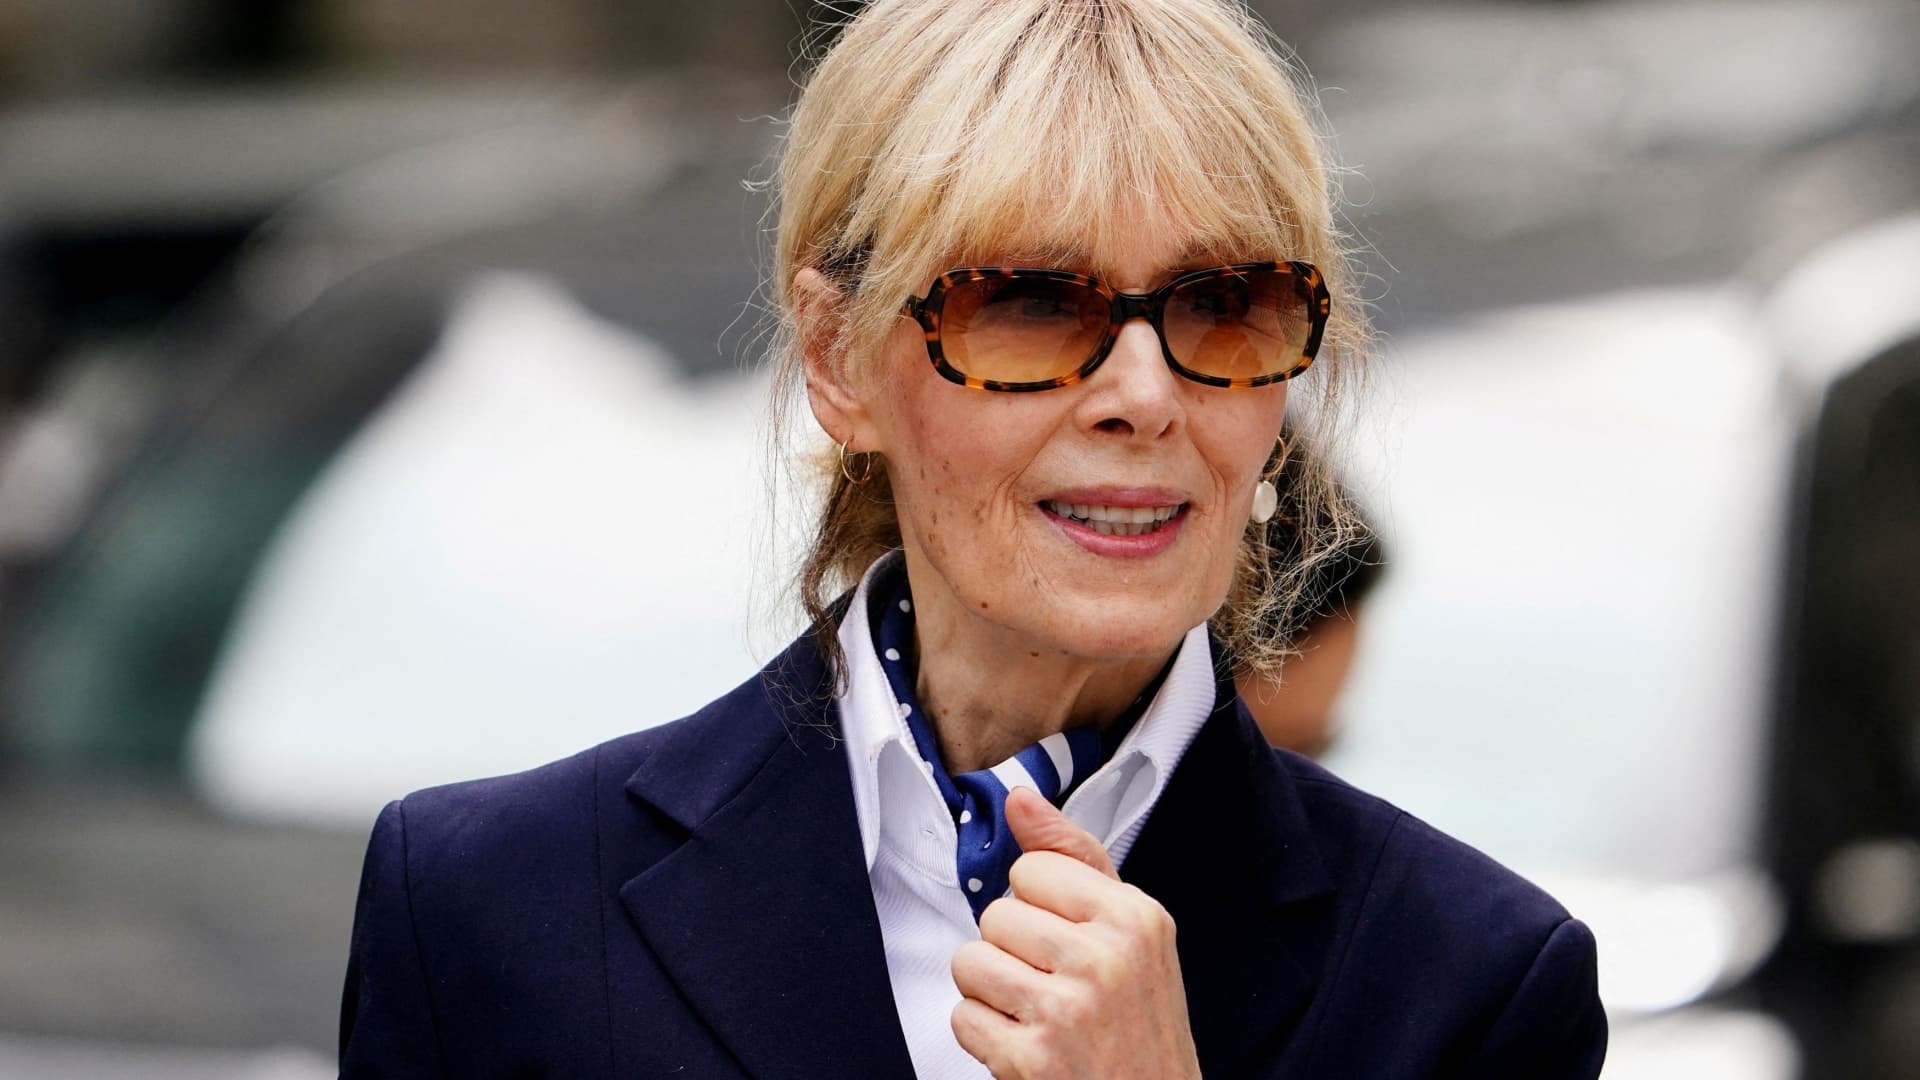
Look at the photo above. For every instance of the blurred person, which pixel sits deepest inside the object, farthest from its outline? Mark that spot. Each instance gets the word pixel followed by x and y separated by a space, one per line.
pixel 1295 706
pixel 1044 269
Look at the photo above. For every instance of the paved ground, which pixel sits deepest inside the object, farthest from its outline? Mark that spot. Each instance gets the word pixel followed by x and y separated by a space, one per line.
pixel 132 916
pixel 51 1059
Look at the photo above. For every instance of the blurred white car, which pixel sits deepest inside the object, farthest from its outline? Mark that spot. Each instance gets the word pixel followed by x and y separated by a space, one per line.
pixel 1572 660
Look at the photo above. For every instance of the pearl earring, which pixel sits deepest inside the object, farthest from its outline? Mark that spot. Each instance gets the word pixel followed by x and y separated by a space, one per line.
pixel 1266 499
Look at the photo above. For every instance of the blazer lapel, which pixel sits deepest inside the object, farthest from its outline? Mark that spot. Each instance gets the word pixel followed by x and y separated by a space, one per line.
pixel 753 894
pixel 763 917
pixel 1229 853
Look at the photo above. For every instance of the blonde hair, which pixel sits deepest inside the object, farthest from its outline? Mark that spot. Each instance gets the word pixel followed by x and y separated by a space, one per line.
pixel 937 133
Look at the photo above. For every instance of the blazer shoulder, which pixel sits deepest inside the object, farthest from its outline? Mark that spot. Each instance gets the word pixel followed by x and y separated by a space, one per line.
pixel 1432 927
pixel 536 808
pixel 700 758
pixel 1383 847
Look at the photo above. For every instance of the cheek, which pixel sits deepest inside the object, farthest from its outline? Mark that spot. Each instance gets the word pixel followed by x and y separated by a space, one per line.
pixel 957 457
pixel 1236 432
pixel 957 474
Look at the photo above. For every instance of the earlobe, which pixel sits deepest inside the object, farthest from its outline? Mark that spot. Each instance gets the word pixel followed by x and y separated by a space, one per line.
pixel 818 308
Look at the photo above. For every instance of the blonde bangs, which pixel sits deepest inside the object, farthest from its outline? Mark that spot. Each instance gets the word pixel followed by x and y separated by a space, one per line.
pixel 1047 131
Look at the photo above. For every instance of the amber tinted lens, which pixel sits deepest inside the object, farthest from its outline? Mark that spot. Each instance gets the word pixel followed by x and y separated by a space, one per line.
pixel 1241 325
pixel 1021 329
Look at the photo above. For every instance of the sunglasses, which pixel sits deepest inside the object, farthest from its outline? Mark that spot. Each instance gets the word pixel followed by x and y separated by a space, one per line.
pixel 1019 329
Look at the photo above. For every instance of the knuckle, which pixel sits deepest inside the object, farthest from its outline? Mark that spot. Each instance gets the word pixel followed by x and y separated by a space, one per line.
pixel 1064 1006
pixel 1107 967
pixel 994 919
pixel 1029 1058
pixel 1031 865
pixel 971 1032
pixel 1020 874
pixel 1158 921
pixel 1146 916
pixel 1079 1004
pixel 966 958
pixel 965 1029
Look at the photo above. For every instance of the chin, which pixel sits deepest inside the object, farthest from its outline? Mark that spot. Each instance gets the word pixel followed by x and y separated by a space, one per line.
pixel 1104 630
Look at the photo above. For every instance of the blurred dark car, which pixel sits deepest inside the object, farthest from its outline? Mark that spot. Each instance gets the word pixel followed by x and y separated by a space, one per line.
pixel 1842 826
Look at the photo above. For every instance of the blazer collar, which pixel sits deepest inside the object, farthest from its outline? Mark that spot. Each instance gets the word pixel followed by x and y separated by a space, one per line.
pixel 1230 852
pixel 764 916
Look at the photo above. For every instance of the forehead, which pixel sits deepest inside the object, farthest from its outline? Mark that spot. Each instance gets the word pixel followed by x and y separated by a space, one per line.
pixel 1134 247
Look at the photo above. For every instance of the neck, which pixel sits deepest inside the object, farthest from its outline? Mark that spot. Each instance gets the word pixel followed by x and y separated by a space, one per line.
pixel 991 691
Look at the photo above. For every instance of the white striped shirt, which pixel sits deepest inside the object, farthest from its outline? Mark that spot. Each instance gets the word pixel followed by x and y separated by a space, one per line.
pixel 909 838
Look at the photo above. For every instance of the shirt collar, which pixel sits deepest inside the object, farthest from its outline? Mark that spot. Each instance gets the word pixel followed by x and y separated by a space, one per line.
pixel 1112 803
pixel 869 717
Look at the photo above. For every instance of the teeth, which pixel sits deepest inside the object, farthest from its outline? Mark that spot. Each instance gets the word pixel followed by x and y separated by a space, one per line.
pixel 1116 520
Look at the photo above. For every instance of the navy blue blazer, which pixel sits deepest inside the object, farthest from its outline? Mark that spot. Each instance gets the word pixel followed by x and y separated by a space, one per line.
pixel 692 901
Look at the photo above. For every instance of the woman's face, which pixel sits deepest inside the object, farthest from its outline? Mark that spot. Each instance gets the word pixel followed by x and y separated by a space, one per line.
pixel 981 480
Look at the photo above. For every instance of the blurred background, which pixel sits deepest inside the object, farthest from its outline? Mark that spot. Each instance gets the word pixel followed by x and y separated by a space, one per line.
pixel 380 407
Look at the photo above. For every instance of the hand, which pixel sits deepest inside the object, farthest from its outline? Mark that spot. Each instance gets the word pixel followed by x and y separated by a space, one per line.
pixel 1075 974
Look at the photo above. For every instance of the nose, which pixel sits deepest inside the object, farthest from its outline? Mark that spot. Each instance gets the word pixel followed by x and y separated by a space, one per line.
pixel 1134 392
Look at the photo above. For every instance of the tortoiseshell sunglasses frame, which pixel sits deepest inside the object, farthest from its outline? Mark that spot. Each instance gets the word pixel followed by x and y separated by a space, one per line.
pixel 1122 307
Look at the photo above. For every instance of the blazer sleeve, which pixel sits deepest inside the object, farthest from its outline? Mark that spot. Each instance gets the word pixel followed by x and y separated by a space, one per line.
pixel 386 1012
pixel 1554 1027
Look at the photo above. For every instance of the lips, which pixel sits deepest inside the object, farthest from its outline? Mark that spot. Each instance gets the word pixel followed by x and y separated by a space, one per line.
pixel 1118 522
pixel 1111 520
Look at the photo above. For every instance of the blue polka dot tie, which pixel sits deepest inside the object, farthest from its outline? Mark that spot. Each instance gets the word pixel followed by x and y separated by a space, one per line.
pixel 1054 766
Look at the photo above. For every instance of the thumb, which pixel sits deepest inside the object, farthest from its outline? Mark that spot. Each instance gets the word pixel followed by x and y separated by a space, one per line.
pixel 1039 826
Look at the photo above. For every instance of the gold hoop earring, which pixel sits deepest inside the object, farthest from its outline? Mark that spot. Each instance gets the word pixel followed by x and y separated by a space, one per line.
pixel 1282 450
pixel 866 458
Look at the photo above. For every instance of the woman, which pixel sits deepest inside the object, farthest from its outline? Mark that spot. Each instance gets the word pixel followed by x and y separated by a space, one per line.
pixel 1041 501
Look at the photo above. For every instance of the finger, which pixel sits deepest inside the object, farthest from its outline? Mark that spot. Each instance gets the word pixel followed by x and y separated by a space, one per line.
pixel 1039 826
pixel 986 1033
pixel 1067 887
pixel 1036 937
pixel 989 974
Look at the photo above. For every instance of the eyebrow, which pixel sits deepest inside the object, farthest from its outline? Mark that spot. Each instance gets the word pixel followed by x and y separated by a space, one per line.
pixel 1081 260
